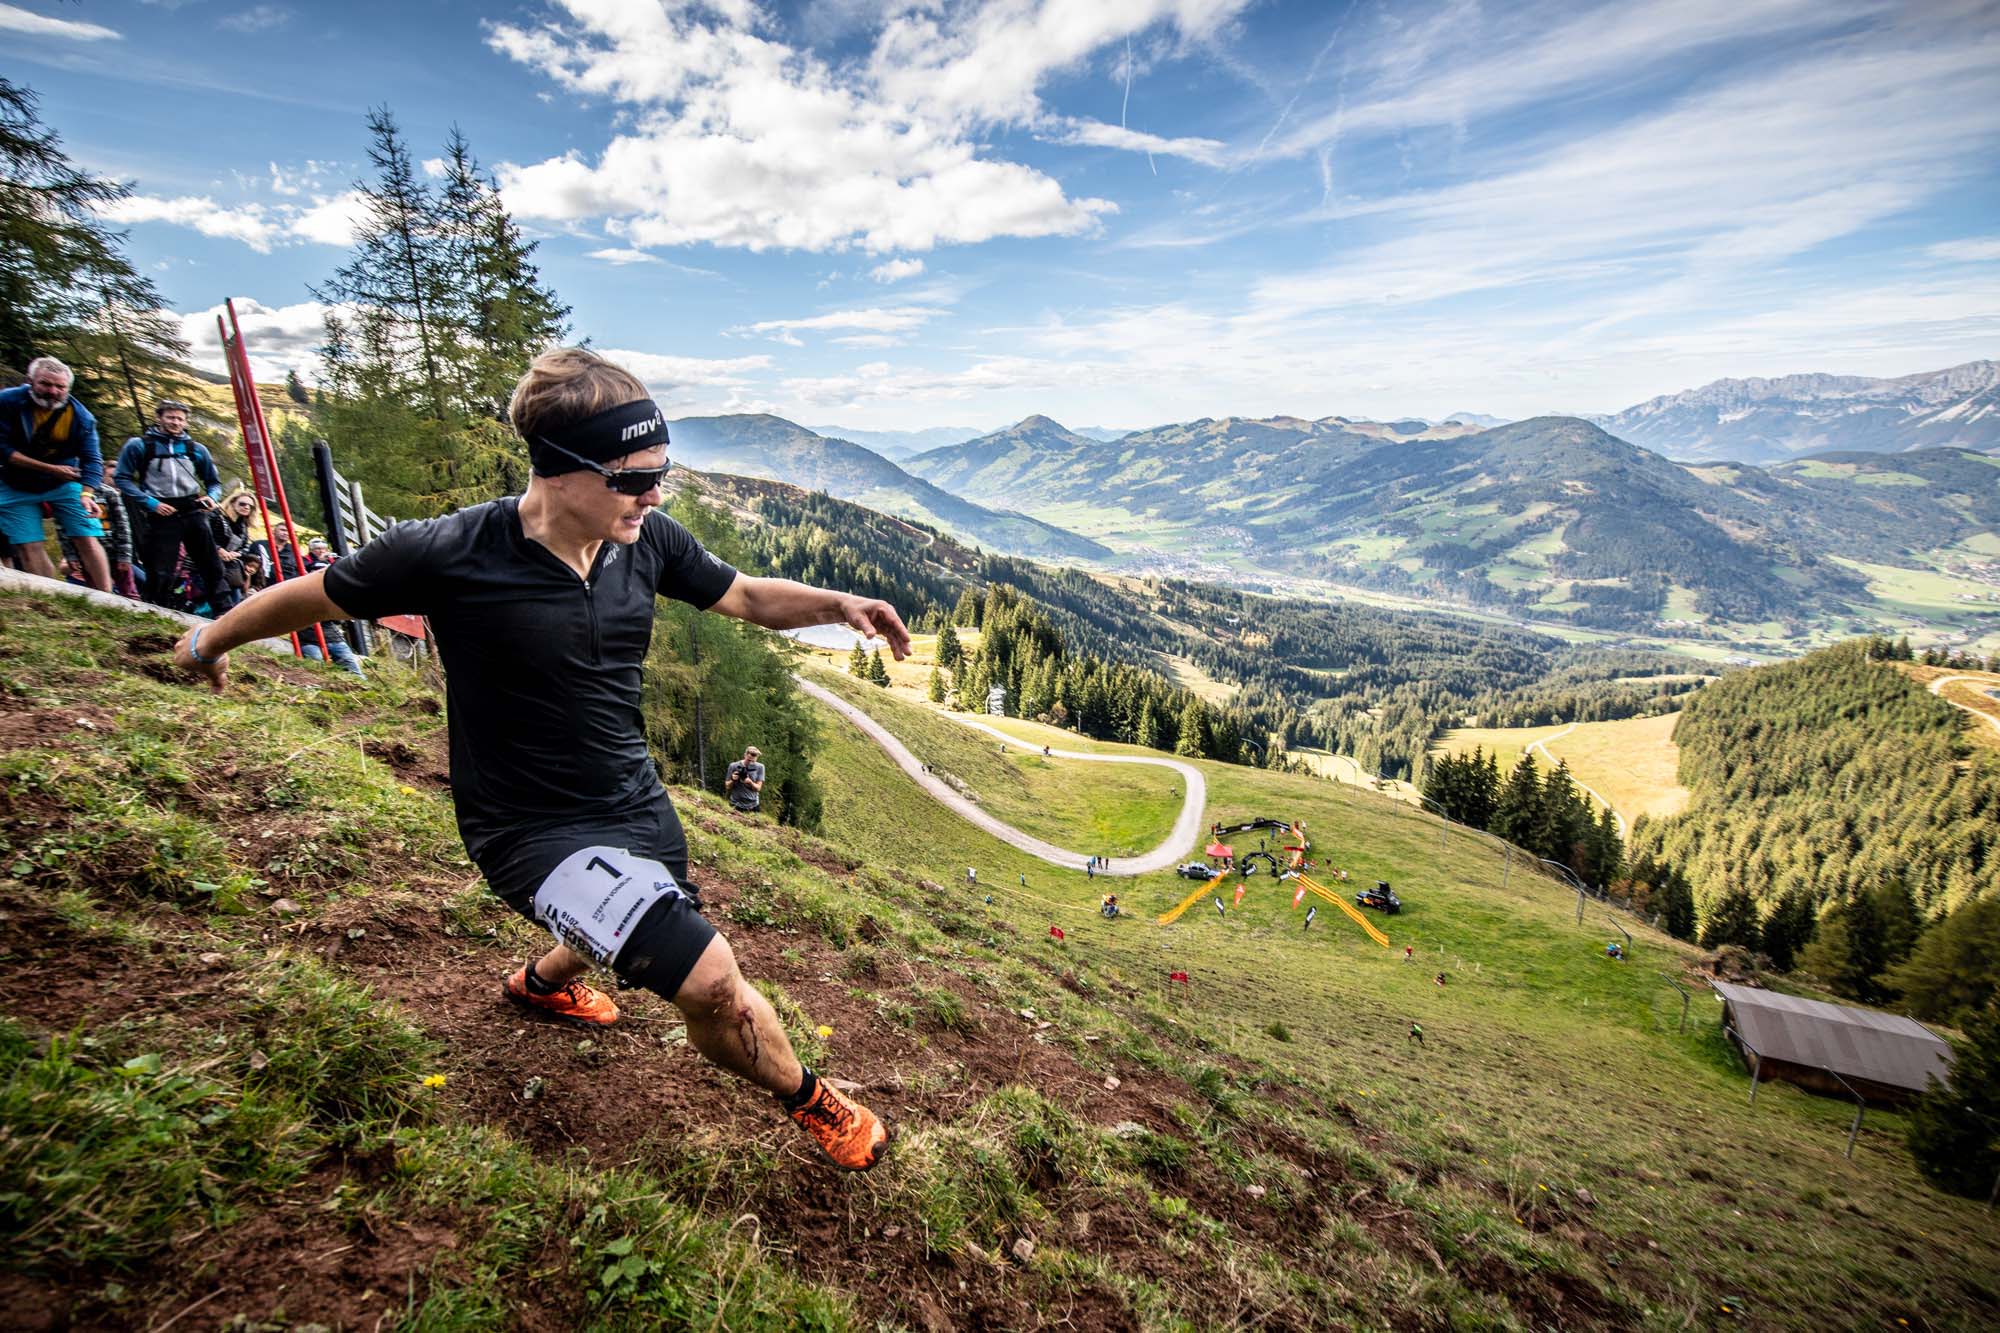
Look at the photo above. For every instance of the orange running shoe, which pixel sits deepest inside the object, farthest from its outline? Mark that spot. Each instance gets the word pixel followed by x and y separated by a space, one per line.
pixel 845 1130
pixel 575 1003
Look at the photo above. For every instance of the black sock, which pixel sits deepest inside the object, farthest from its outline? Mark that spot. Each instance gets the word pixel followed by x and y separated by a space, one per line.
pixel 536 986
pixel 807 1087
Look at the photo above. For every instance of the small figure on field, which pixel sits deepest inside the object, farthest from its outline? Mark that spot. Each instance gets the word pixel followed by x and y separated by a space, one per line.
pixel 1109 906
pixel 1409 954
pixel 1417 1033
pixel 1438 980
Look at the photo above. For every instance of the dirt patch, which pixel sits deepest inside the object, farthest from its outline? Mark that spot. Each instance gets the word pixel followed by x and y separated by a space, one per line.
pixel 426 766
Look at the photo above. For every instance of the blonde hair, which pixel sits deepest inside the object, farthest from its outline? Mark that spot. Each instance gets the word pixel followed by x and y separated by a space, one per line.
pixel 566 385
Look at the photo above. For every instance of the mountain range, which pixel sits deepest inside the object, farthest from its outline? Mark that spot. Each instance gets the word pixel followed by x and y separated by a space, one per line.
pixel 772 447
pixel 1552 515
pixel 1763 420
pixel 1558 518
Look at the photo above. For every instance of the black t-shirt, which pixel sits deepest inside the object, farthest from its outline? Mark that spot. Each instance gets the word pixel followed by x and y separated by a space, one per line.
pixel 542 669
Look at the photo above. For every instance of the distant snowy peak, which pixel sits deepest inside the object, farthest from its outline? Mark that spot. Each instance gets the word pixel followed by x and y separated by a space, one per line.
pixel 1761 420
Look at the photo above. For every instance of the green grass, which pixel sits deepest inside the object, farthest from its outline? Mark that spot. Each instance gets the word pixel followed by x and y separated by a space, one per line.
pixel 1547 1068
pixel 1449 1174
pixel 1112 810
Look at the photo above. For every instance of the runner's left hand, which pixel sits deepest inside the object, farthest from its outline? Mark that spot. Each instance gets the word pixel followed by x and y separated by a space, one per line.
pixel 878 620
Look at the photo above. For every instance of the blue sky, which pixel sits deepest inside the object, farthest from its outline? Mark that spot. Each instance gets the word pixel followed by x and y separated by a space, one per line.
pixel 1116 212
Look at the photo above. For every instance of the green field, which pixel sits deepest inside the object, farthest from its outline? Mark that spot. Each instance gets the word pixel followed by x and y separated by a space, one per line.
pixel 1632 763
pixel 254 1068
pixel 1550 1069
pixel 1109 809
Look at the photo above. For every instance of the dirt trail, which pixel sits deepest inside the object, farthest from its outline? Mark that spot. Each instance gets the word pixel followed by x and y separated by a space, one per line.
pixel 1186 831
pixel 1543 746
pixel 1937 688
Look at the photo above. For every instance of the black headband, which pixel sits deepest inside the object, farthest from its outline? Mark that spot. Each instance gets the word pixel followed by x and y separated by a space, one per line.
pixel 612 433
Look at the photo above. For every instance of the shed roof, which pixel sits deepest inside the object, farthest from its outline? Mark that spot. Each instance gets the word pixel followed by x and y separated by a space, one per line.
pixel 1859 1043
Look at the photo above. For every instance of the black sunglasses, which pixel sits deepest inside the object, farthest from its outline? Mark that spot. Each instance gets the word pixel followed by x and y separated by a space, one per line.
pixel 634 481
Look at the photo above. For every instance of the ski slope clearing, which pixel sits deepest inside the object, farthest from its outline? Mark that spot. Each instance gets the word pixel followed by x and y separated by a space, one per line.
pixel 1631 764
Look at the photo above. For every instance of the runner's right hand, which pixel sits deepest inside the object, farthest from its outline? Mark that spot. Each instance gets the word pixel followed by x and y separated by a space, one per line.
pixel 216 673
pixel 164 510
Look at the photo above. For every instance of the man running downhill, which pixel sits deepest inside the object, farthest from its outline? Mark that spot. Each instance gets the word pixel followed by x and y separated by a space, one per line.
pixel 542 606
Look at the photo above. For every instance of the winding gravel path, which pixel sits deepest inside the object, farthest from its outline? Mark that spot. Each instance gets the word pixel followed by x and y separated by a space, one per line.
pixel 1549 755
pixel 1187 829
pixel 1937 688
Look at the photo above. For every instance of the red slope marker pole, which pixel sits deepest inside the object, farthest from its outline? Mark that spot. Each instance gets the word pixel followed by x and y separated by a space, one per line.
pixel 271 461
pixel 259 478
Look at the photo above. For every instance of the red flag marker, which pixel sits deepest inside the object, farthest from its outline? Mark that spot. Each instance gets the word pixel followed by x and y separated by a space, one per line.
pixel 1239 895
pixel 1181 977
pixel 1300 896
pixel 1055 932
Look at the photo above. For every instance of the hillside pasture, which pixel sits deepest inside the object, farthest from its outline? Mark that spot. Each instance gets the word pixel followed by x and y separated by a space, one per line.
pixel 1548 1074
pixel 1633 763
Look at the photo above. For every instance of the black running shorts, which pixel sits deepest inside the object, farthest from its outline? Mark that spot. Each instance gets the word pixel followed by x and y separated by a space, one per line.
pixel 615 890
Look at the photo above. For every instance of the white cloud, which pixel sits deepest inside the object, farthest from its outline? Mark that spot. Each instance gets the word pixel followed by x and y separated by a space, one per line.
pixel 1971 250
pixel 713 383
pixel 621 256
pixel 16 19
pixel 327 221
pixel 1449 68
pixel 248 223
pixel 896 270
pixel 877 320
pixel 434 167
pixel 332 221
pixel 738 139
pixel 292 182
pixel 257 18
pixel 1096 134
pixel 279 338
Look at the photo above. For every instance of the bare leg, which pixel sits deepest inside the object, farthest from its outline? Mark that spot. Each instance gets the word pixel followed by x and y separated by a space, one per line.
pixel 95 567
pixel 35 559
pixel 561 965
pixel 734 1026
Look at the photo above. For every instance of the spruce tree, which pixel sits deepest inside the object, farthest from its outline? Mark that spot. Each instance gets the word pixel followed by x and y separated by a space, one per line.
pixel 1193 730
pixel 1789 928
pixel 949 654
pixel 67 289
pixel 878 674
pixel 295 389
pixel 1954 971
pixel 1731 919
pixel 1520 804
pixel 935 690
pixel 1149 726
pixel 1954 1129
pixel 857 662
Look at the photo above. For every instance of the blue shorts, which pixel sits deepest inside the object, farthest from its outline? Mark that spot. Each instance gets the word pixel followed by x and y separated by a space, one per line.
pixel 21 514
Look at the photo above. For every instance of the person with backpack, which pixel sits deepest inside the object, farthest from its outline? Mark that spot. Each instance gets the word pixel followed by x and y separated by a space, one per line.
pixel 48 448
pixel 169 482
pixel 542 606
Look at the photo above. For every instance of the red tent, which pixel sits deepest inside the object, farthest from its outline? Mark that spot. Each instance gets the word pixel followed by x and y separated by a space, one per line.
pixel 1218 850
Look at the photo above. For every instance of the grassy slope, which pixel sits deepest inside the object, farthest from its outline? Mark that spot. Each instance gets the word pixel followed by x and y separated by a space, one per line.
pixel 1545 1065
pixel 1633 762
pixel 241 1097
pixel 1111 809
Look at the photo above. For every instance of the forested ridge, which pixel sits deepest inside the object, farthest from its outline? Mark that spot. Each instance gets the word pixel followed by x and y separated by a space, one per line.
pixel 1841 821
pixel 1828 774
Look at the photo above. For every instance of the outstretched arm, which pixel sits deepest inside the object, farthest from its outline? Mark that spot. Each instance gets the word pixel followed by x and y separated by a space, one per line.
pixel 280 609
pixel 784 604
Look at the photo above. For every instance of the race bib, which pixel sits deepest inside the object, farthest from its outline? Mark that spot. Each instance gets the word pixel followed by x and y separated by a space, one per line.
pixel 594 899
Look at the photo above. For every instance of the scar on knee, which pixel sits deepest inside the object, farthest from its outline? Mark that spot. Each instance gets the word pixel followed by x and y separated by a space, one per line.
pixel 746 1019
